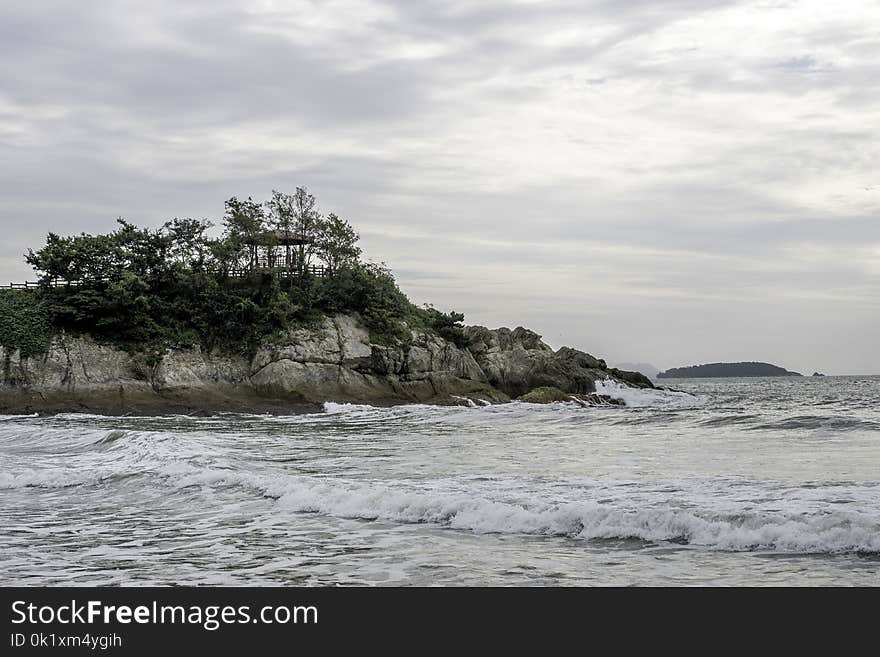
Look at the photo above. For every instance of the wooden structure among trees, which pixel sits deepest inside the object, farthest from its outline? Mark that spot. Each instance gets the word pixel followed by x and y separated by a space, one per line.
pixel 282 252
pixel 276 264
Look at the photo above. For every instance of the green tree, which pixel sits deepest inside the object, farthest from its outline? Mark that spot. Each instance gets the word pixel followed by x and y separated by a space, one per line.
pixel 146 290
pixel 296 215
pixel 307 223
pixel 56 260
pixel 336 243
pixel 245 223
pixel 282 220
pixel 189 243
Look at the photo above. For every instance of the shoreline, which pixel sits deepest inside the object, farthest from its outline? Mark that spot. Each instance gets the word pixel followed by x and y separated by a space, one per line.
pixel 335 360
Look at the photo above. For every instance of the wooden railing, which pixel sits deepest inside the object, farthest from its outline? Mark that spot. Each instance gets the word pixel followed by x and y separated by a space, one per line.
pixel 319 271
pixel 314 270
pixel 31 285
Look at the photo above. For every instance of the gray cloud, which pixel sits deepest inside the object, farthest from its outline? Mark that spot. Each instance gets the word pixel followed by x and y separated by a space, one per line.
pixel 670 182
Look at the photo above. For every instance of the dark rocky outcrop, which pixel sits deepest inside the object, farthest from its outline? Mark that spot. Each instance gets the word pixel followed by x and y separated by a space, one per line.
pixel 333 360
pixel 550 395
pixel 517 361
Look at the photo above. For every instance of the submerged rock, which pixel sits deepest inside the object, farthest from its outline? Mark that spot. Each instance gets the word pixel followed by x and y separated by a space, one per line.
pixel 596 399
pixel 549 395
pixel 545 395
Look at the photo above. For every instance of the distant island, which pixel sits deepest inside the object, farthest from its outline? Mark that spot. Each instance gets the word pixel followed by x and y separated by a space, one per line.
pixel 647 369
pixel 712 370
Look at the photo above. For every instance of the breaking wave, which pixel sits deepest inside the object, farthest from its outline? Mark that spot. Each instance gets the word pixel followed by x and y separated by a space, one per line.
pixel 737 467
pixel 646 397
pixel 823 530
pixel 826 532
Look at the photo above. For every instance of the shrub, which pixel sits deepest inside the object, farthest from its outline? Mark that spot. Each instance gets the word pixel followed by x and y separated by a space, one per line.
pixel 25 321
pixel 146 290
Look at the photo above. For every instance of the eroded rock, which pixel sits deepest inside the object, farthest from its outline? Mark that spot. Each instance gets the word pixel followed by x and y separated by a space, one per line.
pixel 332 360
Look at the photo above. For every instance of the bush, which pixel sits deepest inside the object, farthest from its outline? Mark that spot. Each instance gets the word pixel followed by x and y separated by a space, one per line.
pixel 370 290
pixel 446 325
pixel 25 321
pixel 181 310
pixel 145 290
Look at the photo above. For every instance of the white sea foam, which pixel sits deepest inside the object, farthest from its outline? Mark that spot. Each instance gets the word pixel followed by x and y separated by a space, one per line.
pixel 826 530
pixel 334 408
pixel 829 532
pixel 641 397
pixel 695 482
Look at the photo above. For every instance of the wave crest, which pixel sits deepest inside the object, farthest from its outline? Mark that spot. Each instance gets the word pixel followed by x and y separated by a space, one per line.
pixel 645 397
pixel 828 532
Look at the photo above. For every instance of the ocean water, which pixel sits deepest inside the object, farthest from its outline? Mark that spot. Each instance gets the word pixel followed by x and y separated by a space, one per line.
pixel 729 482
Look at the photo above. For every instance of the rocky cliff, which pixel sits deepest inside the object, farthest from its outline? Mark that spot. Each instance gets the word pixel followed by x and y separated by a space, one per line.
pixel 333 360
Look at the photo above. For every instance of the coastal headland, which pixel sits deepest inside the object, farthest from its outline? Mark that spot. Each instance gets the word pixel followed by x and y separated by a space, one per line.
pixel 278 313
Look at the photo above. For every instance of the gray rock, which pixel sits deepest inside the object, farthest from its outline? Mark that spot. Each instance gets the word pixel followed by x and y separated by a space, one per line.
pixel 518 361
pixel 332 360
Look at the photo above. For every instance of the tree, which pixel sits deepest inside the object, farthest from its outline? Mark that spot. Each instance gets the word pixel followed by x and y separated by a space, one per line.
pixel 336 243
pixel 56 260
pixel 245 223
pixel 308 221
pixel 147 290
pixel 188 242
pixel 101 257
pixel 296 215
pixel 281 219
pixel 140 250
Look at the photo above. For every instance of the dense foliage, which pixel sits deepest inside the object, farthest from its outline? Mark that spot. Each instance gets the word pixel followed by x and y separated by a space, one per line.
pixel 25 322
pixel 147 289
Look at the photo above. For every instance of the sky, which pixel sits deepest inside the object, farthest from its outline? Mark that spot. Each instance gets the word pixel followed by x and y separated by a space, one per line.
pixel 671 182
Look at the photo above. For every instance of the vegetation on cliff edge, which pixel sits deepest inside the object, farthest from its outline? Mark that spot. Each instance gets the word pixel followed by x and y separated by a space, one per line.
pixel 25 322
pixel 275 264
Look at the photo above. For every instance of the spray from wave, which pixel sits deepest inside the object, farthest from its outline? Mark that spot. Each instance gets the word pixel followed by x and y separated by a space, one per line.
pixel 647 397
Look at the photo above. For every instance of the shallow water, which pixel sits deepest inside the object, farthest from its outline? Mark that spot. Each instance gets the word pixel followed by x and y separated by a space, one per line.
pixel 735 481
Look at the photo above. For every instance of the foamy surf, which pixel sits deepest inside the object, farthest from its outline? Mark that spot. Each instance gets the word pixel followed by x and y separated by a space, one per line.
pixel 647 397
pixel 825 532
pixel 812 526
pixel 675 488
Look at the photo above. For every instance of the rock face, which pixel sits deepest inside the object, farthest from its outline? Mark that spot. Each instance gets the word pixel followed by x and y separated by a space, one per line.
pixel 333 360
pixel 517 361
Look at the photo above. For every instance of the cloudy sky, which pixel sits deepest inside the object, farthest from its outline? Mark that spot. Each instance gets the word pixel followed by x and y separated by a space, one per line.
pixel 673 182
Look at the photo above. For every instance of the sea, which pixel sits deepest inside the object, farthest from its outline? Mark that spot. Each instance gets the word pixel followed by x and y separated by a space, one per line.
pixel 717 482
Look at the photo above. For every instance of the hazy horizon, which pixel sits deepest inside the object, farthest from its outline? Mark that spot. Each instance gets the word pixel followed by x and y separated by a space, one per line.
pixel 678 184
